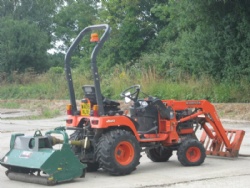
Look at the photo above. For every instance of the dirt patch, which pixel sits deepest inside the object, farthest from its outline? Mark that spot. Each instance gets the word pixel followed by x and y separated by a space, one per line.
pixel 234 111
pixel 22 108
pixel 16 113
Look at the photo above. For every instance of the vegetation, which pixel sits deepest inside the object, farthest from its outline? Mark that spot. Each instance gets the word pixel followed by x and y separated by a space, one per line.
pixel 10 105
pixel 52 85
pixel 175 49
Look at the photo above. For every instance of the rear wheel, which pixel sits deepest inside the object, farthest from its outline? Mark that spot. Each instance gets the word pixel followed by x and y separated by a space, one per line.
pixel 191 153
pixel 159 154
pixel 118 152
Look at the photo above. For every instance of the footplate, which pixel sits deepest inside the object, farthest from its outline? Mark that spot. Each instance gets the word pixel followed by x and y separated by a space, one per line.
pixel 216 147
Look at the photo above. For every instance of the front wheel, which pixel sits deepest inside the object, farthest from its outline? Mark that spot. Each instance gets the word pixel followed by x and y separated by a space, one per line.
pixel 118 152
pixel 191 153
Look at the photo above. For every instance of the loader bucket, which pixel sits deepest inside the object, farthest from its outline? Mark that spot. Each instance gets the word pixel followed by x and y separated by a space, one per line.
pixel 33 159
pixel 216 147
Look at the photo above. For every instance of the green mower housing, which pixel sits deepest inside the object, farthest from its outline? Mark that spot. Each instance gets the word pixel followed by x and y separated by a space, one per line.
pixel 33 159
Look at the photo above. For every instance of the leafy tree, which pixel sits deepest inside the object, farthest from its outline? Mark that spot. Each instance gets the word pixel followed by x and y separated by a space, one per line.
pixel 72 18
pixel 40 12
pixel 69 21
pixel 22 45
pixel 198 38
pixel 133 28
pixel 206 38
pixel 26 33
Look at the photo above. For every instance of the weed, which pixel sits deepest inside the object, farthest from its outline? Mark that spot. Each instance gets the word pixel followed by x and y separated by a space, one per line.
pixel 48 113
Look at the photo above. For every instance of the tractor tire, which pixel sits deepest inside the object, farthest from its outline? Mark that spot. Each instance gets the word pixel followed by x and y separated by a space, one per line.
pixel 118 152
pixel 191 153
pixel 159 154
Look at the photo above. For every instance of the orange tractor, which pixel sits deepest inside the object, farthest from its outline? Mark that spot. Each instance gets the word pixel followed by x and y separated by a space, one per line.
pixel 113 139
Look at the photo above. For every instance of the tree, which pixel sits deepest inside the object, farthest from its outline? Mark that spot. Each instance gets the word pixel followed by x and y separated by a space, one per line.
pixel 22 46
pixel 26 33
pixel 72 18
pixel 206 38
pixel 40 12
pixel 69 21
pixel 133 27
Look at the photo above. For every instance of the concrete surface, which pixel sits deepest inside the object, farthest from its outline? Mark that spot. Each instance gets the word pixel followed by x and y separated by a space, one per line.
pixel 214 172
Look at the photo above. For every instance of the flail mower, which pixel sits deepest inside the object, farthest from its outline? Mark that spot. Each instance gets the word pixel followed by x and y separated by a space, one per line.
pixel 109 138
pixel 33 159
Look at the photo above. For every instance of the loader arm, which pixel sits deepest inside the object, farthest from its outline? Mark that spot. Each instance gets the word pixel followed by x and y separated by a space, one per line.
pixel 216 140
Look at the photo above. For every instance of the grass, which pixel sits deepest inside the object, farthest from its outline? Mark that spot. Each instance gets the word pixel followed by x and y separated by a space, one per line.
pixel 48 113
pixel 47 94
pixel 53 85
pixel 9 105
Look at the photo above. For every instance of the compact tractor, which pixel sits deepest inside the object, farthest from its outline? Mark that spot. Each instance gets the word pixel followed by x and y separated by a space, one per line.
pixel 112 139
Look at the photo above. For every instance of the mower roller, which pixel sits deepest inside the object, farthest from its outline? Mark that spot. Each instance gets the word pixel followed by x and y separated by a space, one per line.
pixel 112 139
pixel 32 159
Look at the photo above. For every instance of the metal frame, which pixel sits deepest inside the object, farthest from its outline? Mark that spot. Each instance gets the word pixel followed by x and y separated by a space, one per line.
pixel 93 65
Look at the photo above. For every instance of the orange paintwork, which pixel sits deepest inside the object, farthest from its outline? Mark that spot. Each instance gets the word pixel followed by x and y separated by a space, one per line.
pixel 74 120
pixel 124 153
pixel 193 154
pixel 104 122
pixel 186 131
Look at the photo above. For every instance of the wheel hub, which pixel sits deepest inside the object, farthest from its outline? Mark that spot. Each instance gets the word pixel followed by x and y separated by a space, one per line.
pixel 124 153
pixel 193 154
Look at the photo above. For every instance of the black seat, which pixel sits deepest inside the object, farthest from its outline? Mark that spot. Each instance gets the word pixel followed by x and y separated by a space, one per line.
pixel 89 92
pixel 110 106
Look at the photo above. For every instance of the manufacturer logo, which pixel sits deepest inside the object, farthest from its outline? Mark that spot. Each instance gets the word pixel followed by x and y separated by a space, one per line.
pixel 193 102
pixel 110 121
pixel 25 154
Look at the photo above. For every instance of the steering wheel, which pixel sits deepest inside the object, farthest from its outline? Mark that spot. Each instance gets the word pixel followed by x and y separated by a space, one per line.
pixel 131 92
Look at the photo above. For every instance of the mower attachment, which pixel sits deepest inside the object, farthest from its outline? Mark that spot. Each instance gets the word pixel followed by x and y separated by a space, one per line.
pixel 33 159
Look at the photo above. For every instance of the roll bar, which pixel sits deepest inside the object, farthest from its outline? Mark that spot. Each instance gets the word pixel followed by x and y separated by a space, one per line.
pixel 94 68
